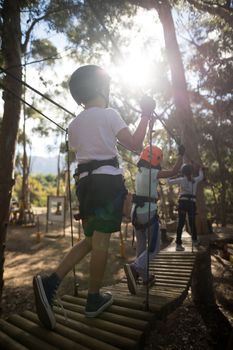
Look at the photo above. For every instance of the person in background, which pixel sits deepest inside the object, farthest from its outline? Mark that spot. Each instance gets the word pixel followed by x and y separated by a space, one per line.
pixel 144 213
pixel 187 202
pixel 100 189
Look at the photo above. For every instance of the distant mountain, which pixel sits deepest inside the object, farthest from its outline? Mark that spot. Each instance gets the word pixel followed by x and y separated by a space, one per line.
pixel 43 165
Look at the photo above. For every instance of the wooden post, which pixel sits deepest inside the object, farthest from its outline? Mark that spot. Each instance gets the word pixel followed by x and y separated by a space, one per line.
pixel 202 281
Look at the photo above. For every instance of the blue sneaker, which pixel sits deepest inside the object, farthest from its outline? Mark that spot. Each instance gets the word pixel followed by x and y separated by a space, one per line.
pixel 45 289
pixel 97 303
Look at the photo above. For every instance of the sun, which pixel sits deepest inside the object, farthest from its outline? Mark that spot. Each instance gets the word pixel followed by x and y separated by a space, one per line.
pixel 136 68
pixel 135 72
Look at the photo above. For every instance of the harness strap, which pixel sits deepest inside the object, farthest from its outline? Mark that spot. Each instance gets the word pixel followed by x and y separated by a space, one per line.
pixel 187 196
pixel 95 164
pixel 144 226
pixel 90 167
pixel 140 200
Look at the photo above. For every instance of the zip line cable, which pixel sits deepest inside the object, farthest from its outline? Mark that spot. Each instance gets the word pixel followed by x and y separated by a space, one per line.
pixel 151 122
pixel 70 208
pixel 31 106
pixel 159 117
pixel 68 170
pixel 175 138
pixel 47 98
pixel 36 91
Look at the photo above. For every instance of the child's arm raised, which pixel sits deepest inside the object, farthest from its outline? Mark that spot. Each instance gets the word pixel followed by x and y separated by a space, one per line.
pixel 134 141
pixel 176 167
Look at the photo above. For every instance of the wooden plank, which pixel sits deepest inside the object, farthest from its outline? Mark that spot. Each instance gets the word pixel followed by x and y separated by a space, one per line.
pixel 172 273
pixel 167 285
pixel 23 337
pixel 173 283
pixel 77 335
pixel 169 279
pixel 125 311
pixel 108 316
pixel 182 255
pixel 170 263
pixel 175 258
pixel 135 301
pixel 8 343
pixel 43 338
pixel 112 340
pixel 171 268
pixel 102 324
pixel 122 326
pixel 128 300
pixel 160 277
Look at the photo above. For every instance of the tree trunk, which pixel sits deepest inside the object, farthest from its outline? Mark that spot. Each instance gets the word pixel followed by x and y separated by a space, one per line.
pixel 11 50
pixel 223 177
pixel 23 202
pixel 184 114
pixel 202 280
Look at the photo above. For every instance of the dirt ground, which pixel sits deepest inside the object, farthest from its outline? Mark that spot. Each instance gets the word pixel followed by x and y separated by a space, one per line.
pixel 31 250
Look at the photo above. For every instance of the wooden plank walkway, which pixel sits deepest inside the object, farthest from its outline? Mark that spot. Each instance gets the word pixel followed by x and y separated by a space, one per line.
pixel 124 325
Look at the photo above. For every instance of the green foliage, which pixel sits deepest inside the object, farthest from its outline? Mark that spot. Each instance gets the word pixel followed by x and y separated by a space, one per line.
pixel 40 187
pixel 43 49
pixel 212 63
pixel 90 30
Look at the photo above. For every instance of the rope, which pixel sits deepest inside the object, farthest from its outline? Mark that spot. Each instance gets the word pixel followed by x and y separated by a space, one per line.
pixel 149 218
pixel 36 91
pixel 68 167
pixel 31 106
pixel 70 208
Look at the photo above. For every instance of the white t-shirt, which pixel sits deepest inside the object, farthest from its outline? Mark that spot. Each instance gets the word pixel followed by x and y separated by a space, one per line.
pixel 186 186
pixel 92 135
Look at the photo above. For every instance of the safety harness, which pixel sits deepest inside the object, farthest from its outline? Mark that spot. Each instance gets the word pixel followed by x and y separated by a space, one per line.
pixel 188 197
pixel 93 165
pixel 89 168
pixel 140 201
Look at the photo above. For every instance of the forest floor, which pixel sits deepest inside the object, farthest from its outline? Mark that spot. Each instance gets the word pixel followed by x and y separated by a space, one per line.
pixel 31 250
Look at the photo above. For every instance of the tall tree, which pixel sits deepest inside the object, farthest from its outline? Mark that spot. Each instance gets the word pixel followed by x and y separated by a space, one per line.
pixel 11 51
pixel 217 8
pixel 13 47
pixel 212 63
pixel 184 115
